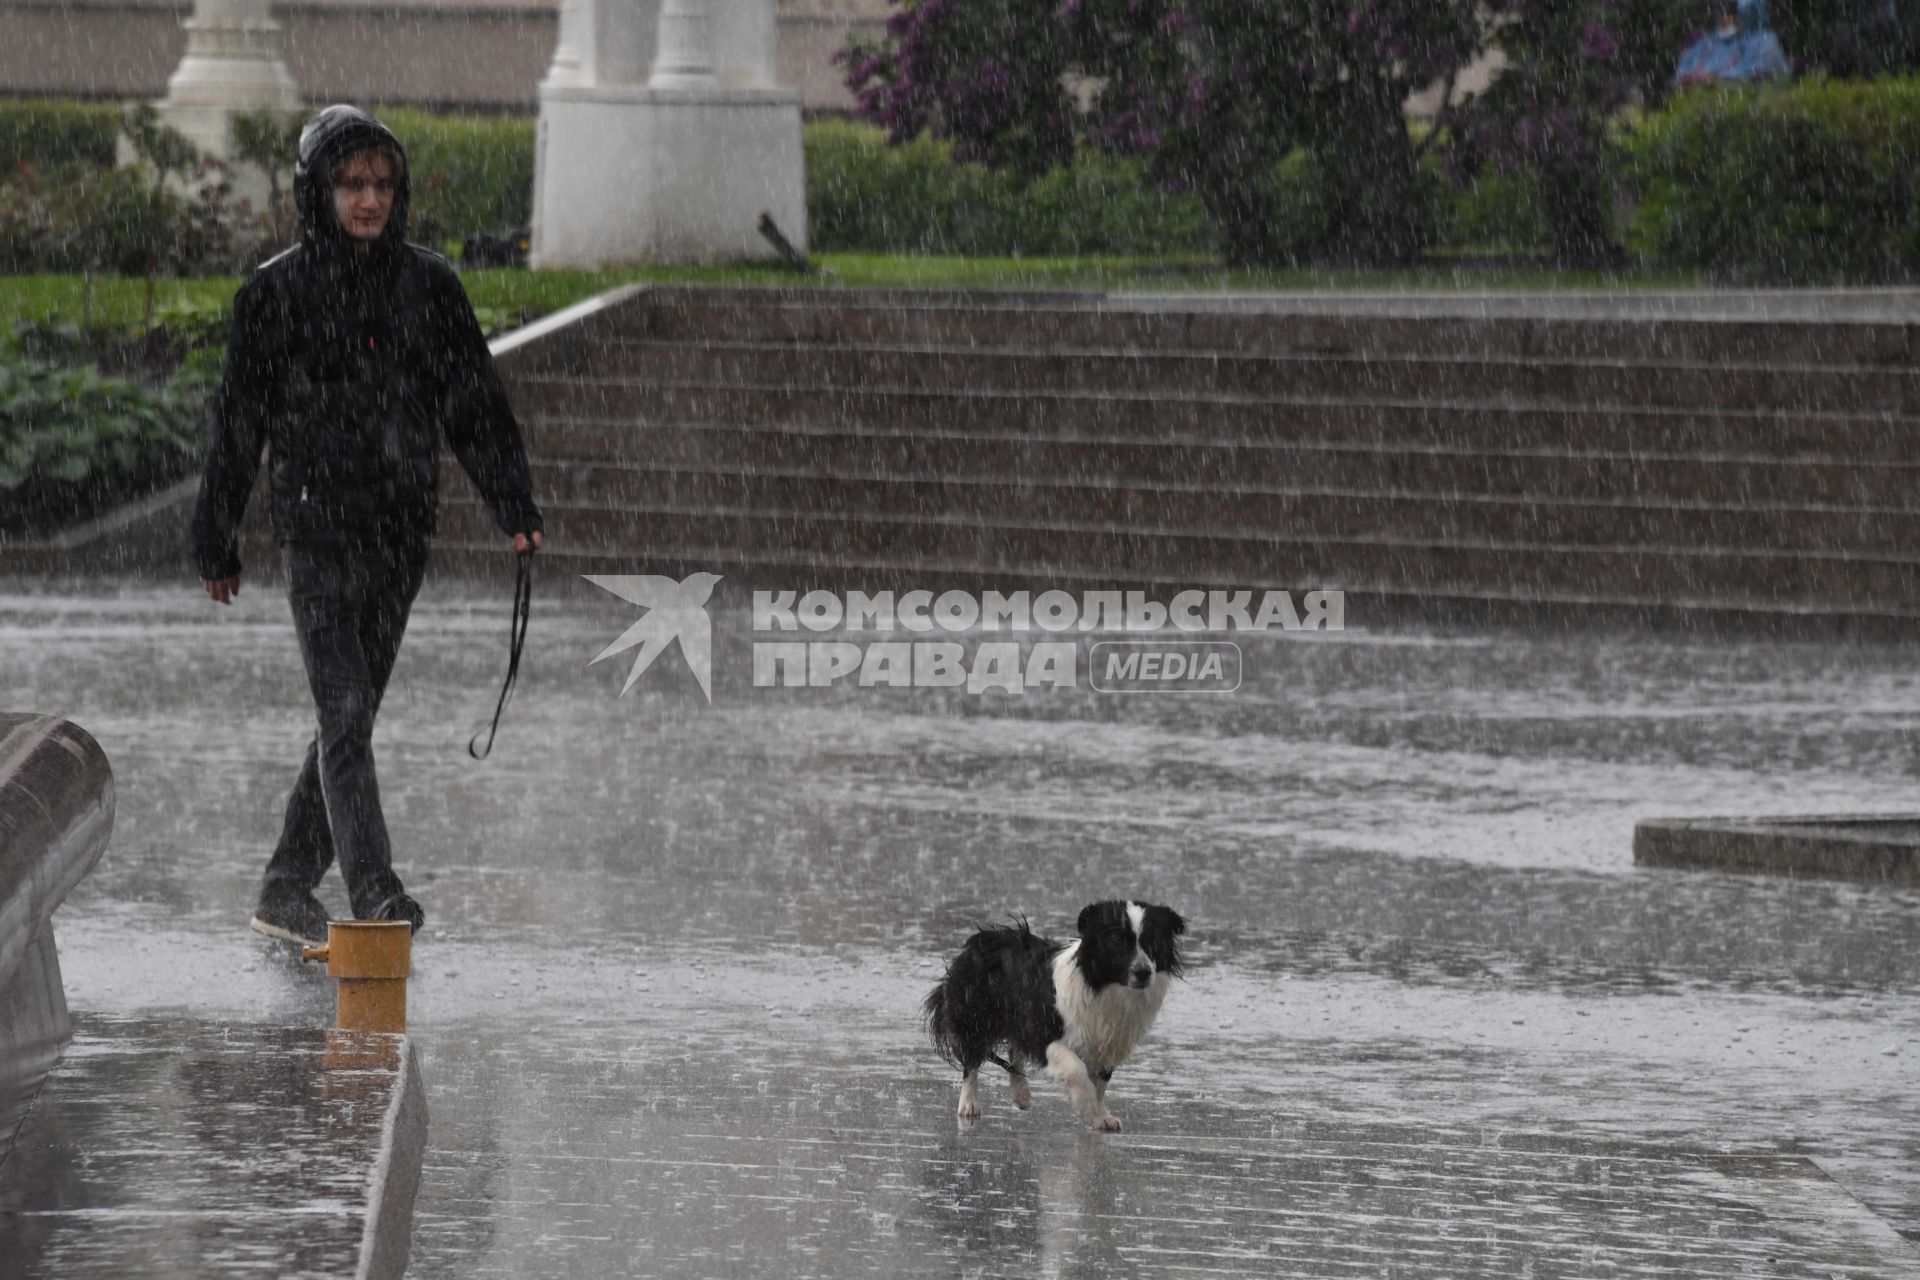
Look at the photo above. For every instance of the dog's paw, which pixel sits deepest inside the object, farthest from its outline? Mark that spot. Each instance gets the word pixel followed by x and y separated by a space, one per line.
pixel 1022 1095
pixel 1105 1122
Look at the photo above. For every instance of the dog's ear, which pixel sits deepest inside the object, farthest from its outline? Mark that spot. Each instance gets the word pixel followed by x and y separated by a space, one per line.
pixel 1096 916
pixel 1159 926
pixel 1166 918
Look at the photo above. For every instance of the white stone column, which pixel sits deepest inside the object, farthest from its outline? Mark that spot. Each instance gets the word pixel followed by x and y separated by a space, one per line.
pixel 567 68
pixel 232 65
pixel 673 158
pixel 685 60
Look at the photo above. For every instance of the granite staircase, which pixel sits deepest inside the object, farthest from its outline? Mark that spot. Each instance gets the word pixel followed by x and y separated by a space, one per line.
pixel 1649 453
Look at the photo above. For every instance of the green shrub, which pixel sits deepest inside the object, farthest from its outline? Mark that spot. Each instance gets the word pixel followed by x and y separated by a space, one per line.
pixel 1297 195
pixel 84 219
pixel 116 220
pixel 1101 205
pixel 74 443
pixel 26 223
pixel 48 133
pixel 195 322
pixel 1494 210
pixel 469 173
pixel 1812 183
pixel 863 195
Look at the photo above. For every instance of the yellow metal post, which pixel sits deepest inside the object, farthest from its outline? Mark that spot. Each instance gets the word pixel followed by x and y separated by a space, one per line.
pixel 371 959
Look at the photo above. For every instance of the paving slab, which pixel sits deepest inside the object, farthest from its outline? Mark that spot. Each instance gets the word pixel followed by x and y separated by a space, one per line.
pixel 170 1146
pixel 634 1157
pixel 1436 1022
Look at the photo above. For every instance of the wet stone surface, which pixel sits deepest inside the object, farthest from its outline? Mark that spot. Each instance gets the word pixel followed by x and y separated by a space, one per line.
pixel 689 1160
pixel 167 1146
pixel 1435 1020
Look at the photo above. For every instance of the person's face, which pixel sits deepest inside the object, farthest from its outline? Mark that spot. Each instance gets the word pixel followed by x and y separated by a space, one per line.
pixel 363 188
pixel 1729 21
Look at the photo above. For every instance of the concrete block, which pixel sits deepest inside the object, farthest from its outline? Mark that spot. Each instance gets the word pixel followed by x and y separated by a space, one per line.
pixel 1876 847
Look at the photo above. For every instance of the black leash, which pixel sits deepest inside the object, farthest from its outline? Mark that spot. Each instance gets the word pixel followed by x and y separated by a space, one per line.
pixel 522 614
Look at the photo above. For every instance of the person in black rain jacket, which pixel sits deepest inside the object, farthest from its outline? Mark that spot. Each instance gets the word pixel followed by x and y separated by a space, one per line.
pixel 350 357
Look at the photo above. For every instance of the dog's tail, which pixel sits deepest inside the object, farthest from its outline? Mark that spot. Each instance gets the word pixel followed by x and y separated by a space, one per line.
pixel 962 1012
pixel 935 1013
pixel 937 1008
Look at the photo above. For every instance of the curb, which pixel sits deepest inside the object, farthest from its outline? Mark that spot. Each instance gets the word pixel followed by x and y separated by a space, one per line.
pixel 395 1179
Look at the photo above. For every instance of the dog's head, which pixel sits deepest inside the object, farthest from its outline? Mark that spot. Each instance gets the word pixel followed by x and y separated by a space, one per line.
pixel 1128 943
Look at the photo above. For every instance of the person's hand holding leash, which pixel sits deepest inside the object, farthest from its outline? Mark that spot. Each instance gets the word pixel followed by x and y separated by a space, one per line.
pixel 524 545
pixel 223 590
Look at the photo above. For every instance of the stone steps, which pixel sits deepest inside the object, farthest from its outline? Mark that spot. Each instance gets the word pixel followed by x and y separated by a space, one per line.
pixel 1475 427
pixel 1092 320
pixel 723 538
pixel 1361 376
pixel 1229 505
pixel 571 446
pixel 1695 451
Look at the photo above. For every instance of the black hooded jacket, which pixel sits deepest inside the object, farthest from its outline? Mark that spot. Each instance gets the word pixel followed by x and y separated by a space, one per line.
pixel 350 367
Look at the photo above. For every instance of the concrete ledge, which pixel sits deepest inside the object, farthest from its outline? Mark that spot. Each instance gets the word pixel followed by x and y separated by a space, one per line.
pixel 34 1028
pixel 1882 847
pixel 149 533
pixel 386 1241
pixel 171 1146
pixel 56 815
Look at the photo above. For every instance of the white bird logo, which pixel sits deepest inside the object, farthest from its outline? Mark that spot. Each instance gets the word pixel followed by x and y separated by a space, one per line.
pixel 674 611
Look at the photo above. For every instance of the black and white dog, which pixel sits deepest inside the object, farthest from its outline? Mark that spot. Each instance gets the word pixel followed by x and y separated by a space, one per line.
pixel 1078 1007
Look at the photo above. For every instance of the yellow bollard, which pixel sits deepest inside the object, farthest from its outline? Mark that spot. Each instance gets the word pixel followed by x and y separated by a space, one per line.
pixel 371 958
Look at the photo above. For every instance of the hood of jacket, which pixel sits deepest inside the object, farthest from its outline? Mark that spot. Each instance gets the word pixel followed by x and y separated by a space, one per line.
pixel 331 136
pixel 1752 17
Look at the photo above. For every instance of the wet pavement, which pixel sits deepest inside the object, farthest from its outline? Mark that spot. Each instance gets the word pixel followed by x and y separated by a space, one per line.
pixel 1435 1021
pixel 171 1146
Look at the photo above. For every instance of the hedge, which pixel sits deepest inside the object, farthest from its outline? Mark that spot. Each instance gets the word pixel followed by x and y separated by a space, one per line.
pixel 1816 182
pixel 469 173
pixel 1494 211
pixel 51 133
pixel 865 195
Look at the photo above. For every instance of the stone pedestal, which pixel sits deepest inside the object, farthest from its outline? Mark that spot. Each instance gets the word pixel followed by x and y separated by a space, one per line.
pixel 663 137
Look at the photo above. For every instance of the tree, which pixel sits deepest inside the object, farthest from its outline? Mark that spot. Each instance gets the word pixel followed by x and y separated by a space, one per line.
pixel 114 220
pixel 270 141
pixel 1213 94
pixel 1854 38
pixel 130 230
pixel 1570 66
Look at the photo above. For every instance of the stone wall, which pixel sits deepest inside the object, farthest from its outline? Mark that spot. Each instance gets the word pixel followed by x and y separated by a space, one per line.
pixel 474 53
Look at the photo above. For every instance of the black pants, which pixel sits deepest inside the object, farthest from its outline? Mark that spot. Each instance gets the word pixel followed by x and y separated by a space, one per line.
pixel 350 604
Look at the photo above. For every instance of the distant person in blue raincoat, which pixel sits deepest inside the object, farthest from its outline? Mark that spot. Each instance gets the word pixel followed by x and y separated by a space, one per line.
pixel 1743 47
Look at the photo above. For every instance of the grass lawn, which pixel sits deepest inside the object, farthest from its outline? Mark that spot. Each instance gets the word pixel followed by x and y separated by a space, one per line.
pixel 119 303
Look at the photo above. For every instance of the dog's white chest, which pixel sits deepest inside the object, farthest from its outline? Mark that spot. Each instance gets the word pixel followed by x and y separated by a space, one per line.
pixel 1102 1027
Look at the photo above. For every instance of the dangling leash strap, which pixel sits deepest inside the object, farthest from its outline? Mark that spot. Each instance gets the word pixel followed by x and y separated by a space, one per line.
pixel 522 614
